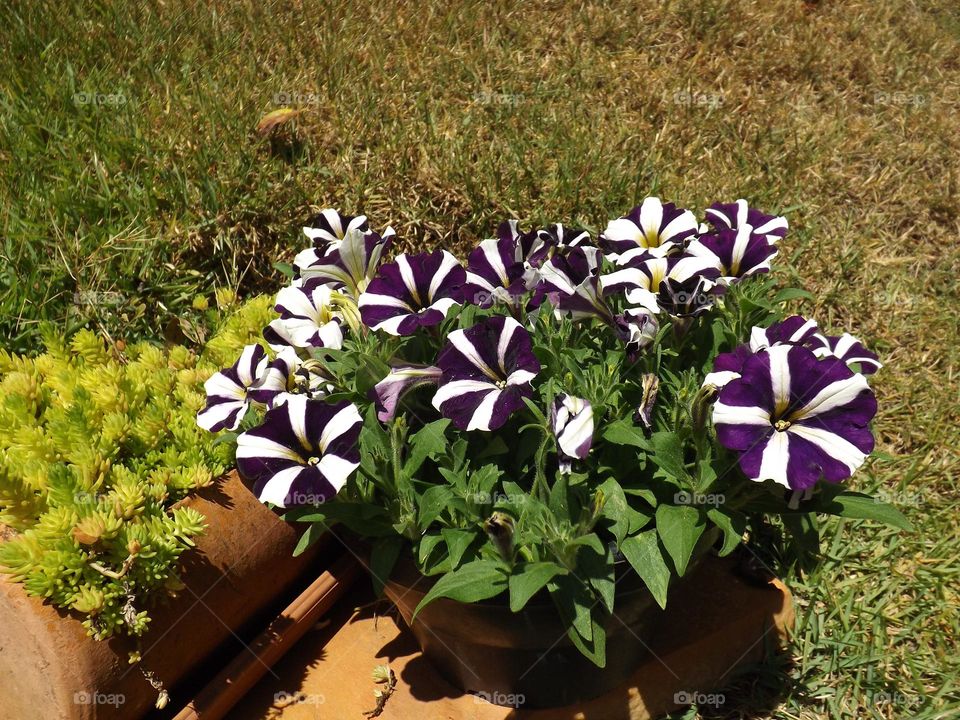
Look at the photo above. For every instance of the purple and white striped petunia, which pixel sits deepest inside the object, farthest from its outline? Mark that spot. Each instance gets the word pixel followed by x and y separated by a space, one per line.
pixel 795 330
pixel 560 237
pixel 486 373
pixel 228 391
pixel 278 378
pixel 571 419
pixel 398 382
pixel 735 215
pixel 848 348
pixel 530 248
pixel 412 292
pixel 351 265
pixel 572 282
pixel 658 227
pixel 302 453
pixel 735 253
pixel 637 328
pixel 308 318
pixel 796 418
pixel 327 228
pixel 681 285
pixel 494 274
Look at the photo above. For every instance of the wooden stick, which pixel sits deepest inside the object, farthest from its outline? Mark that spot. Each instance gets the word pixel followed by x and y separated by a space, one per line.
pixel 236 679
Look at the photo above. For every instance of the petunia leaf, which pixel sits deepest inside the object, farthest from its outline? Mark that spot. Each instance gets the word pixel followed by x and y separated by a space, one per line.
pixel 679 527
pixel 645 556
pixel 622 432
pixel 580 610
pixel 383 557
pixel 475 581
pixel 457 543
pixel 428 442
pixel 732 523
pixel 528 579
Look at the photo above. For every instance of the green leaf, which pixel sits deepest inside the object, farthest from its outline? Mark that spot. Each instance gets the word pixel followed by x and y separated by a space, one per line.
pixel 428 543
pixel 383 556
pixel 475 581
pixel 860 507
pixel 432 503
pixel 309 537
pixel 457 543
pixel 621 518
pixel 623 432
pixel 429 441
pixel 732 523
pixel 528 579
pixel 679 526
pixel 597 568
pixel 645 556
pixel 792 294
pixel 584 616
pixel 668 454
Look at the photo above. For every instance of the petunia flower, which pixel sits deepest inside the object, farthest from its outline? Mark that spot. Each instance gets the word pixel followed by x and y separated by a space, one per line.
pixel 560 237
pixel 398 382
pixel 637 328
pixel 412 292
pixel 228 391
pixel 735 253
pixel 848 348
pixel 572 282
pixel 308 317
pixel 680 285
pixel 486 373
pixel 735 215
pixel 795 418
pixel 571 419
pixel 327 228
pixel 658 227
pixel 351 265
pixel 494 274
pixel 530 248
pixel 277 379
pixel 302 453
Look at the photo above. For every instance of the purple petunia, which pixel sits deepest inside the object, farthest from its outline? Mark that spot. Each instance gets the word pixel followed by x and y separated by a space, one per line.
pixel 399 381
pixel 572 282
pixel 412 292
pixel 228 391
pixel 351 265
pixel 795 418
pixel 494 274
pixel 735 215
pixel 327 228
pixel 735 253
pixel 571 419
pixel 680 285
pixel 486 373
pixel 658 227
pixel 303 453
pixel 308 318
pixel 848 348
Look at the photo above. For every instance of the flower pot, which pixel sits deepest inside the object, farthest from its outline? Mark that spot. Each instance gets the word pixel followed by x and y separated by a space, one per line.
pixel 49 667
pixel 526 658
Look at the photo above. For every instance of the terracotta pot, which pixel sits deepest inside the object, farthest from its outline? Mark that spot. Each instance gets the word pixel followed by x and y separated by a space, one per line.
pixel 526 658
pixel 50 668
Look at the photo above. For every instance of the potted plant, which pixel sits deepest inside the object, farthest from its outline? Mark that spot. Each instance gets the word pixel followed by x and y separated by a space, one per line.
pixel 538 442
pixel 113 506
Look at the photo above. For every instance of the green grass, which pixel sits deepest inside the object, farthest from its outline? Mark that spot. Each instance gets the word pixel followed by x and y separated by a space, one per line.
pixel 443 118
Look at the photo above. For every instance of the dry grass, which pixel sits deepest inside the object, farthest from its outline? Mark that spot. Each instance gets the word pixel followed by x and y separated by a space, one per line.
pixel 442 118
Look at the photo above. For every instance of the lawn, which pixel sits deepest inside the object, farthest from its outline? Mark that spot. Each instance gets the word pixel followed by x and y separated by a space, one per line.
pixel 133 184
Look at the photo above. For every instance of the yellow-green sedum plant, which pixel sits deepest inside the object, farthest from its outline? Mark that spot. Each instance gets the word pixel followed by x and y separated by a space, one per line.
pixel 97 443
